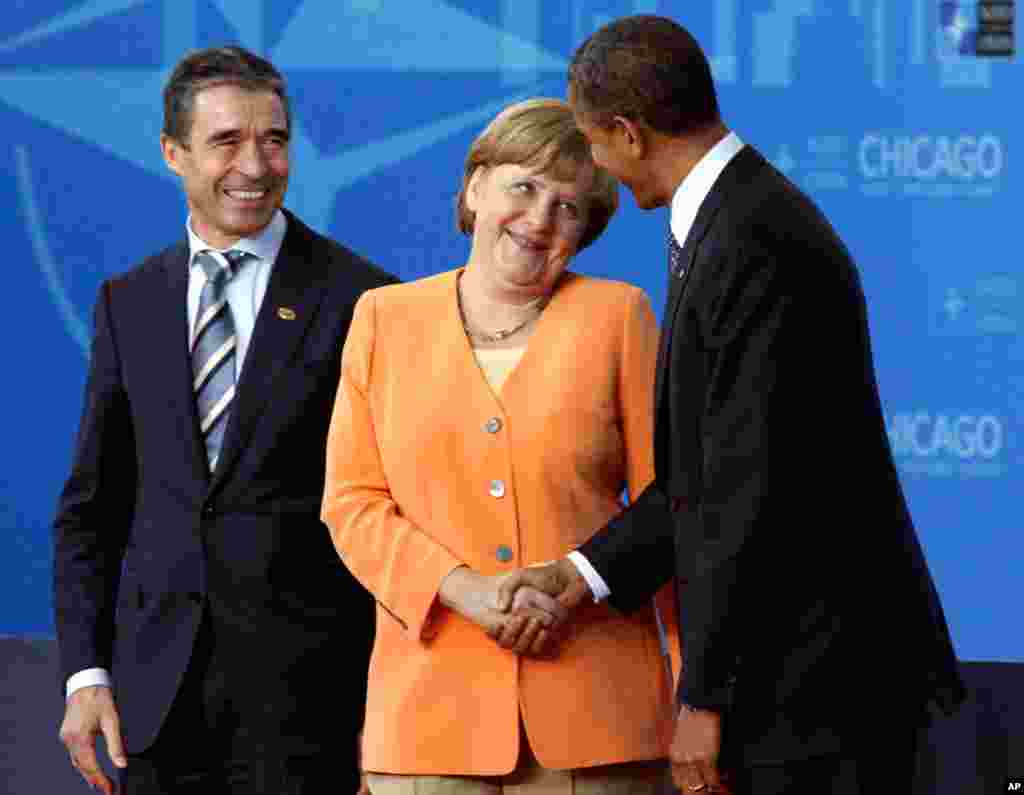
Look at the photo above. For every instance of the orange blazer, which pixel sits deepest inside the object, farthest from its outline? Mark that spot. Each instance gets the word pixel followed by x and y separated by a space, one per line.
pixel 428 469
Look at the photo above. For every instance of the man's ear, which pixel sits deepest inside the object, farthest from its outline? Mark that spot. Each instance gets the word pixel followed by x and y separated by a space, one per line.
pixel 172 150
pixel 633 135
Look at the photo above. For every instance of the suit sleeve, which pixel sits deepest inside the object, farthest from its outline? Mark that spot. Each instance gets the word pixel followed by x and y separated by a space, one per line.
pixel 95 509
pixel 399 563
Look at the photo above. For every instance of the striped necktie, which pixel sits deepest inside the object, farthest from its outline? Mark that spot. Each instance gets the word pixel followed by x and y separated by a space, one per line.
pixel 676 262
pixel 213 349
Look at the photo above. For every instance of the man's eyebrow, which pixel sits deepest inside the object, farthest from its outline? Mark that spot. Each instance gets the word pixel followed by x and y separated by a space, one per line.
pixel 223 135
pixel 230 133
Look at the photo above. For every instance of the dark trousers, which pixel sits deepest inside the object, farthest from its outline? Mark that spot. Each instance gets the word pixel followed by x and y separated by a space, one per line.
pixel 884 762
pixel 208 745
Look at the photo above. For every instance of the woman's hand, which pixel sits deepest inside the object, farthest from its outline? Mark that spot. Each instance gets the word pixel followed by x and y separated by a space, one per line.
pixel 527 629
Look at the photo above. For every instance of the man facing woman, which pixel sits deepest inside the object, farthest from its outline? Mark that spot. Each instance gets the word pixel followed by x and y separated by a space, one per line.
pixel 488 418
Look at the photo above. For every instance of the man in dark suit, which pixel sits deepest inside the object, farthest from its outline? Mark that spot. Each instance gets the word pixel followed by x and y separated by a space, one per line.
pixel 813 640
pixel 206 625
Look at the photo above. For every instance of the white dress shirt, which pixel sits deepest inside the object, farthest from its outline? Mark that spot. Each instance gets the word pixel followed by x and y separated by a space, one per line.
pixel 686 202
pixel 246 288
pixel 244 293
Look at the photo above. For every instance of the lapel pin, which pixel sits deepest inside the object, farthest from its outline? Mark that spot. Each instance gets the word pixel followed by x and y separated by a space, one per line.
pixel 286 313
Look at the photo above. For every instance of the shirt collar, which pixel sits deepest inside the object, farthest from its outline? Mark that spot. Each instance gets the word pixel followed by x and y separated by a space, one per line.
pixel 696 186
pixel 265 245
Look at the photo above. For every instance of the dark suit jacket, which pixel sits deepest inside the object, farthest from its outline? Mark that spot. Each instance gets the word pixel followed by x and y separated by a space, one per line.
pixel 806 606
pixel 146 540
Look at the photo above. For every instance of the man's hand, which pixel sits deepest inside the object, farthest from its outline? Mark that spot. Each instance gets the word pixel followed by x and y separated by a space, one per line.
pixel 527 631
pixel 694 752
pixel 90 711
pixel 560 579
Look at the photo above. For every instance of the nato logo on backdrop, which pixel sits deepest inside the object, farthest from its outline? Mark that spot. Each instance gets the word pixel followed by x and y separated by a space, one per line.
pixel 982 28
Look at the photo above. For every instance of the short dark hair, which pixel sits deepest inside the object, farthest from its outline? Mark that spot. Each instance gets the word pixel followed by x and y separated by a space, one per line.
pixel 644 68
pixel 215 66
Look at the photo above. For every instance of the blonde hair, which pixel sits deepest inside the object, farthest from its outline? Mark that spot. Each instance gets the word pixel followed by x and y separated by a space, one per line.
pixel 542 134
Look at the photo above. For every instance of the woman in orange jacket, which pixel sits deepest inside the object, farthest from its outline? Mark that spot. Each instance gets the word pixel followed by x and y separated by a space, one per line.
pixel 489 418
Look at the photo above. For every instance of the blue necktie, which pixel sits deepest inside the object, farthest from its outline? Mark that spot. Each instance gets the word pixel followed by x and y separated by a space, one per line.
pixel 213 350
pixel 676 263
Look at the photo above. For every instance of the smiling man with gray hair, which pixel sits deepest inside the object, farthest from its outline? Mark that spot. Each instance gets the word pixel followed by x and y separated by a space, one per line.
pixel 207 628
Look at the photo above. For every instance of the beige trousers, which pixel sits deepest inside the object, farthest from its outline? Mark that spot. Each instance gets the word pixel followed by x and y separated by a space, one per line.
pixel 529 778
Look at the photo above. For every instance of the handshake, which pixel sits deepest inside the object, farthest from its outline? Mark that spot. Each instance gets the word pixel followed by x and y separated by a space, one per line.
pixel 521 611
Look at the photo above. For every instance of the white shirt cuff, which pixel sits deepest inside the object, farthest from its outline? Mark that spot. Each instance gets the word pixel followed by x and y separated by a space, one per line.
pixel 597 585
pixel 90 677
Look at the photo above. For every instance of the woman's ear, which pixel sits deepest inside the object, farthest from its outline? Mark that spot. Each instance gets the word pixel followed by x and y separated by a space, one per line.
pixel 473 188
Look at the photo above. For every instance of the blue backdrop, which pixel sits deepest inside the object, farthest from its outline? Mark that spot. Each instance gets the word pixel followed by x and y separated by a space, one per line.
pixel 879 108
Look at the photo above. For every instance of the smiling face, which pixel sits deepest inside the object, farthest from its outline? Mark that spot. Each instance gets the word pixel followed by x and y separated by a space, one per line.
pixel 527 224
pixel 234 163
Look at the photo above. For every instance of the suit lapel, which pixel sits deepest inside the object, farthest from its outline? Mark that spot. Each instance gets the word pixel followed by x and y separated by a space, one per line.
pixel 174 380
pixel 676 288
pixel 293 294
pixel 741 165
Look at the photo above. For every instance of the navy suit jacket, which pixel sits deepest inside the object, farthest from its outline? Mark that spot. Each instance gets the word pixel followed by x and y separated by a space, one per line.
pixel 806 606
pixel 146 539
